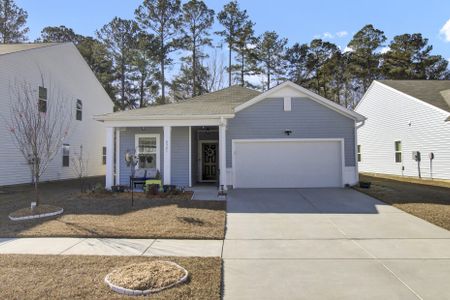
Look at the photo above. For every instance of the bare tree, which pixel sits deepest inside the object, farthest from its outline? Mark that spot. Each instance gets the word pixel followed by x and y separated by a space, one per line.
pixel 79 167
pixel 39 121
pixel 216 72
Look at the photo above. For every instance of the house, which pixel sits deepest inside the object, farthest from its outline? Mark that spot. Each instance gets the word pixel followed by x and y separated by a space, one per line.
pixel 405 118
pixel 64 67
pixel 287 137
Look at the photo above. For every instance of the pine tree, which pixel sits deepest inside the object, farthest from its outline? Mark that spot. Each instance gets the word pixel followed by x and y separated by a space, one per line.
pixel 59 34
pixel 297 69
pixel 246 43
pixel 143 67
pixel 13 21
pixel 163 19
pixel 270 51
pixel 410 57
pixel 233 20
pixel 119 36
pixel 197 21
pixel 365 58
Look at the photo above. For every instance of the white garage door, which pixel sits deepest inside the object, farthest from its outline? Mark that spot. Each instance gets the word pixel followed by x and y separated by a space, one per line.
pixel 287 163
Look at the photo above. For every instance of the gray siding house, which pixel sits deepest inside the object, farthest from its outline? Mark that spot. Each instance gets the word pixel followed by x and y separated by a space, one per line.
pixel 286 137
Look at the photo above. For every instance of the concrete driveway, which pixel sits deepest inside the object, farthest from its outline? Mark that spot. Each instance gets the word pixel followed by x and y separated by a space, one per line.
pixel 330 244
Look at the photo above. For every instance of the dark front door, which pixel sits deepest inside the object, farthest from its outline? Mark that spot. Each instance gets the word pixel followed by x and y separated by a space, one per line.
pixel 209 161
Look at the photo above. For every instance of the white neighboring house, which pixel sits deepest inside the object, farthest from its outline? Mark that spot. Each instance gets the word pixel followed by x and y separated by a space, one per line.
pixel 65 68
pixel 405 116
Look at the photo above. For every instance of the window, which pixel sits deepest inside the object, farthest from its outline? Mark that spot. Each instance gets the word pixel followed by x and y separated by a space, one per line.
pixel 358 149
pixel 147 151
pixel 66 150
pixel 104 155
pixel 398 151
pixel 79 110
pixel 42 103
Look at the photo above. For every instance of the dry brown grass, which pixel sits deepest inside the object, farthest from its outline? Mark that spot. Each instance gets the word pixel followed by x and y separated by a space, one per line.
pixel 431 203
pixel 111 215
pixel 81 277
pixel 147 276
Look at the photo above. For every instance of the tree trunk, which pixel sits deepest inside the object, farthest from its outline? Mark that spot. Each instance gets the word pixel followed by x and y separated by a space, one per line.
pixel 229 65
pixel 36 190
pixel 242 68
pixel 163 83
pixel 194 72
pixel 141 100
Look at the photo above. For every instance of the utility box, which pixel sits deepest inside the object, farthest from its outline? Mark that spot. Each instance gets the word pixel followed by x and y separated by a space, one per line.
pixel 416 155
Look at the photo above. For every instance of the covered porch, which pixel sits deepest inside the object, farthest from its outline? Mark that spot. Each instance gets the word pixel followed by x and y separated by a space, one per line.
pixel 187 153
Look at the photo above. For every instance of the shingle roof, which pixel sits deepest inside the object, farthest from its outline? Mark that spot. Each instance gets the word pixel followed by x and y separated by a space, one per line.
pixel 434 92
pixel 11 48
pixel 221 102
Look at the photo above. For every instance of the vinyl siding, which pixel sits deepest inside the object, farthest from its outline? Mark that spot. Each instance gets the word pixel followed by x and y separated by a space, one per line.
pixel 180 156
pixel 64 68
pixel 389 114
pixel 307 119
pixel 127 142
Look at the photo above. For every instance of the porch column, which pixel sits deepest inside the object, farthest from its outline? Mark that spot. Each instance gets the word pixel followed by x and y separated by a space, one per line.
pixel 109 157
pixel 117 156
pixel 223 153
pixel 167 154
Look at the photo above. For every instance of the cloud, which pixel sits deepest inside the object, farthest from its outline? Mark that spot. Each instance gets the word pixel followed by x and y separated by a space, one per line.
pixel 347 49
pixel 341 34
pixel 385 49
pixel 445 31
pixel 329 35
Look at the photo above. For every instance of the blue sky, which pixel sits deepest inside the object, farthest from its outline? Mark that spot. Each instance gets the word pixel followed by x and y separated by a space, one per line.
pixel 299 21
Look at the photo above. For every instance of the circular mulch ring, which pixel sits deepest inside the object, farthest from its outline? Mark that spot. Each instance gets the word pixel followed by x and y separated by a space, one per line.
pixel 41 211
pixel 146 278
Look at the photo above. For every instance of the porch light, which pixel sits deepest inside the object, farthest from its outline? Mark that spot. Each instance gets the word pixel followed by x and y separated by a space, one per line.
pixel 288 132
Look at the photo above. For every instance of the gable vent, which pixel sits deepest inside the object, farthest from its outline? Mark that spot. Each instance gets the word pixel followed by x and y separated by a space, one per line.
pixel 287 104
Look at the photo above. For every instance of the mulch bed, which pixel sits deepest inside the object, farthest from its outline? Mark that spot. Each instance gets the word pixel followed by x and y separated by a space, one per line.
pixel 111 215
pixel 82 277
pixel 431 203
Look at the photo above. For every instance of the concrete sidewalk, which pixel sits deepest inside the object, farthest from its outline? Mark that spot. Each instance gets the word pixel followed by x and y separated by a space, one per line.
pixel 92 246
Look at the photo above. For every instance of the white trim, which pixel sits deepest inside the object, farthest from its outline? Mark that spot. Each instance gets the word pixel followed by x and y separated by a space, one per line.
pixel 158 149
pixel 235 141
pixel 223 154
pixel 287 103
pixel 321 100
pixel 401 93
pixel 200 158
pixel 117 156
pixel 109 157
pixel 149 117
pixel 161 123
pixel 167 155
pixel 190 156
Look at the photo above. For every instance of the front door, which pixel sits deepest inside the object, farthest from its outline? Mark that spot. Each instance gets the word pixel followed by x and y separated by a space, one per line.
pixel 209 161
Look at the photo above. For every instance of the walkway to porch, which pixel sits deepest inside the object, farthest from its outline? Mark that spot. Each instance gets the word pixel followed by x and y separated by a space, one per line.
pixel 206 192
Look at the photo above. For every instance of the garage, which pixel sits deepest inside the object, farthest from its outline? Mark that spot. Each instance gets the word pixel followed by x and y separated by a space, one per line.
pixel 287 163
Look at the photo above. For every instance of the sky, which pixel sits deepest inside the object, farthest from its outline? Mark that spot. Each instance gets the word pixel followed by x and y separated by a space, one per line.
pixel 299 21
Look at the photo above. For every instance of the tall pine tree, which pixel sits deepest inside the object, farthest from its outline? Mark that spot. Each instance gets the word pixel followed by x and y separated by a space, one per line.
pixel 162 18
pixel 197 21
pixel 120 36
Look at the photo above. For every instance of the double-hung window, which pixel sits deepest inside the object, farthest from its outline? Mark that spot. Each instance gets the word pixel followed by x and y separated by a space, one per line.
pixel 42 102
pixel 66 155
pixel 79 110
pixel 147 151
pixel 104 155
pixel 398 151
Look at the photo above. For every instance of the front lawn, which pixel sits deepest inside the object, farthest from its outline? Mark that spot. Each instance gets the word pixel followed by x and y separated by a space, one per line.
pixel 81 277
pixel 111 215
pixel 428 202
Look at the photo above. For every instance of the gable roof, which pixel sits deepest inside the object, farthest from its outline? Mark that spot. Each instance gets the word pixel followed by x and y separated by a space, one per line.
pixel 13 48
pixel 301 90
pixel 434 92
pixel 217 103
